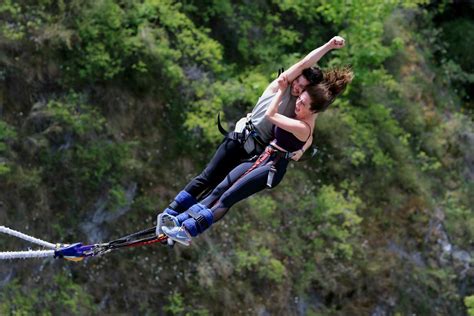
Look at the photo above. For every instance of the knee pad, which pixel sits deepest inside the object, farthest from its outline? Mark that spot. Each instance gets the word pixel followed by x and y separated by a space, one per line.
pixel 182 202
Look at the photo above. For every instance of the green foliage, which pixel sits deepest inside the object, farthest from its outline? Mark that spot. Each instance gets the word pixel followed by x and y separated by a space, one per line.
pixel 100 162
pixel 81 154
pixel 204 110
pixel 261 262
pixel 369 146
pixel 75 116
pixel 23 177
pixel 459 220
pixel 13 30
pixel 264 208
pixel 175 304
pixel 105 41
pixel 15 302
pixel 60 296
pixel 248 31
pixel 118 38
pixel 4 168
pixel 117 197
pixel 457 34
pixel 434 286
pixel 456 63
pixel 151 76
pixel 334 220
pixel 6 133
pixel 469 302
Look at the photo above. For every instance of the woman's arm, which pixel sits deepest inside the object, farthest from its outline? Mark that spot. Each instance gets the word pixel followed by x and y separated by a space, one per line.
pixel 296 127
pixel 299 153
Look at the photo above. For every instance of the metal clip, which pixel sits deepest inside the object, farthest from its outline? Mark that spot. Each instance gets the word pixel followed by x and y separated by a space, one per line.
pixel 74 252
pixel 271 174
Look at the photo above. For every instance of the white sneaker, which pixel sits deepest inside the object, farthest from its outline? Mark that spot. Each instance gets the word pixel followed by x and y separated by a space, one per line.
pixel 165 220
pixel 178 234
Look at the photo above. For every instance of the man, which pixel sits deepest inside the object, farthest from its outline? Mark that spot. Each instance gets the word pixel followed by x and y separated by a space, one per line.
pixel 254 132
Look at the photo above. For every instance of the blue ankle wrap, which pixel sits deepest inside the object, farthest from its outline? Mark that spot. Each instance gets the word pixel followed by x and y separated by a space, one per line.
pixel 184 200
pixel 192 226
pixel 184 216
pixel 171 212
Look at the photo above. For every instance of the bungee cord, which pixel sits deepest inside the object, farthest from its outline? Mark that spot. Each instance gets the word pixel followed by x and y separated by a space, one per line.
pixel 78 251
pixel 29 253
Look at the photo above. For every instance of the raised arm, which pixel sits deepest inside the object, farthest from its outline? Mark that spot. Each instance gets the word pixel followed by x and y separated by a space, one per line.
pixel 313 57
pixel 309 60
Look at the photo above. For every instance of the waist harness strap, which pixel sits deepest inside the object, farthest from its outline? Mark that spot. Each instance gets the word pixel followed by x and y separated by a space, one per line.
pixel 253 132
pixel 231 135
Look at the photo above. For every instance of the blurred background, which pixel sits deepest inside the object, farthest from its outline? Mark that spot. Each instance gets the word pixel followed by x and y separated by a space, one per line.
pixel 108 108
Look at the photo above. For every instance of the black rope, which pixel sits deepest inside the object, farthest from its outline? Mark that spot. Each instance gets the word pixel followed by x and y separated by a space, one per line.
pixel 135 237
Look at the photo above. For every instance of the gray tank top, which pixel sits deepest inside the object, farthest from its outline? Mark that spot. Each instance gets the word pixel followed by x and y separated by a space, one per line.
pixel 263 126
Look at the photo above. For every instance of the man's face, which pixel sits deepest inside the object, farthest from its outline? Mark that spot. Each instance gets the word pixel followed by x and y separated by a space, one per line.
pixel 298 85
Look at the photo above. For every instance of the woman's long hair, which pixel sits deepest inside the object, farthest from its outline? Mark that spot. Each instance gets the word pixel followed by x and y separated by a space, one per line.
pixel 334 82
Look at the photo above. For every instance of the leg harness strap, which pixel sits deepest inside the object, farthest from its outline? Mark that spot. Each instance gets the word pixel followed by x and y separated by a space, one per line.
pixel 199 218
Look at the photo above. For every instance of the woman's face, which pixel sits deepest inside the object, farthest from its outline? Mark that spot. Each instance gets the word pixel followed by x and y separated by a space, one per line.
pixel 303 106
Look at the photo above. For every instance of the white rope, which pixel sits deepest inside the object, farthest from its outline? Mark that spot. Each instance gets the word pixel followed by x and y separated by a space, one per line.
pixel 26 254
pixel 34 240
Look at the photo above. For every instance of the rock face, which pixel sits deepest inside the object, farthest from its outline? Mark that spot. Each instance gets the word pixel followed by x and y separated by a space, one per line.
pixel 6 274
pixel 94 227
pixel 467 141
pixel 448 254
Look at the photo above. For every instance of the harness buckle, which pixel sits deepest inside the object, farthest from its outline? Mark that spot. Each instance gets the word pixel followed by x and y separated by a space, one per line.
pixel 270 176
pixel 200 220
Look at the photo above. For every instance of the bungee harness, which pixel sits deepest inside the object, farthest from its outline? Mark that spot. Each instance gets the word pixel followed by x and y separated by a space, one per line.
pixel 269 151
pixel 78 251
pixel 248 132
pixel 245 131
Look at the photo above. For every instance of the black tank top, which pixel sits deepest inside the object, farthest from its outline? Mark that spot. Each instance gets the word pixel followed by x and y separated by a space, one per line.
pixel 288 141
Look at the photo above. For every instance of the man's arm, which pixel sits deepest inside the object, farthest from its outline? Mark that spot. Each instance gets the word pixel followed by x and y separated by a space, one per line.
pixel 309 60
pixel 313 57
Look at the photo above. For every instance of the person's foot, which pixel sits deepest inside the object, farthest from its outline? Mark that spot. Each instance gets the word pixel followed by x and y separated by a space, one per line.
pixel 165 220
pixel 178 234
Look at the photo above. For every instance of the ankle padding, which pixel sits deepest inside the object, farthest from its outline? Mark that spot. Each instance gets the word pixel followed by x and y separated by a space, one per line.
pixel 200 219
pixel 171 212
pixel 182 217
pixel 183 201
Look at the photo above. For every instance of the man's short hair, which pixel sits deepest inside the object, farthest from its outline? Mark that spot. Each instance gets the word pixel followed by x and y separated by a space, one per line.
pixel 314 75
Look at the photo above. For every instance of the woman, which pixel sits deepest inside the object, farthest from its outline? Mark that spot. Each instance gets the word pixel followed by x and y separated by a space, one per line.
pixel 291 134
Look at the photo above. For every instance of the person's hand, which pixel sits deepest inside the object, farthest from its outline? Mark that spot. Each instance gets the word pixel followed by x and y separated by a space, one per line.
pixel 337 42
pixel 297 155
pixel 282 82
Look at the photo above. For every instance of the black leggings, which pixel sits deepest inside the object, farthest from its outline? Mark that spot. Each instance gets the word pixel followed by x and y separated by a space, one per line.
pixel 235 188
pixel 229 154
